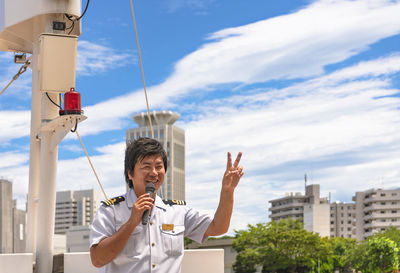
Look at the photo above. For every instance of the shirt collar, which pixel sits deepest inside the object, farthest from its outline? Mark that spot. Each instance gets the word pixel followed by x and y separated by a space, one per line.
pixel 131 199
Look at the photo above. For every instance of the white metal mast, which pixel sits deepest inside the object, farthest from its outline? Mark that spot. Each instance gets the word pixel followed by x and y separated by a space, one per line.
pixel 28 26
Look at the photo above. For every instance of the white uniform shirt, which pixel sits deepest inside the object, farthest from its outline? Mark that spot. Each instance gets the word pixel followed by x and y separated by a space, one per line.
pixel 156 247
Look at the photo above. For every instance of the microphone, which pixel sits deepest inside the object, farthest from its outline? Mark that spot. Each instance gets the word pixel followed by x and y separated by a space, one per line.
pixel 150 188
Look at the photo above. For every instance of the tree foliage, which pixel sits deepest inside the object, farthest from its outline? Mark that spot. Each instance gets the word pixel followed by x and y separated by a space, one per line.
pixel 281 247
pixel 286 247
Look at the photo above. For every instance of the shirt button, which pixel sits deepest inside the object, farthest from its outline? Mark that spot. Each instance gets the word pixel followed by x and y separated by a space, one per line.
pixel 153 244
pixel 153 265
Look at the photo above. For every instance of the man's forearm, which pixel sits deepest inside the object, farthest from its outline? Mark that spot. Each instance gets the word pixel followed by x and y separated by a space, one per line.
pixel 108 248
pixel 222 217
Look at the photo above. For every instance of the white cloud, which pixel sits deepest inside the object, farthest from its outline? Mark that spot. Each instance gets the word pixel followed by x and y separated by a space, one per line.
pixel 338 130
pixel 17 124
pixel 94 58
pixel 323 33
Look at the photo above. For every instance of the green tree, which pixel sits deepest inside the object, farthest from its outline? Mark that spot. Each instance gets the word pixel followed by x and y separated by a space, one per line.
pixel 342 253
pixel 383 255
pixel 391 233
pixel 281 247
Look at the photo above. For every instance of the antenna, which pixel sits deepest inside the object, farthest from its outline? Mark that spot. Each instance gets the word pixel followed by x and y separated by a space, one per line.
pixel 305 181
pixel 329 199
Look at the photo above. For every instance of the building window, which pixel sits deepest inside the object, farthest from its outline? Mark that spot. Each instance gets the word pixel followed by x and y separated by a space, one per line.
pixel 349 214
pixel 332 222
pixel 383 194
pixel 349 222
pixel 383 203
pixel 394 193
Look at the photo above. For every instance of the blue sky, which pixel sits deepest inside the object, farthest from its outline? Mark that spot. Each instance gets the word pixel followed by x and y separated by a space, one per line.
pixel 297 86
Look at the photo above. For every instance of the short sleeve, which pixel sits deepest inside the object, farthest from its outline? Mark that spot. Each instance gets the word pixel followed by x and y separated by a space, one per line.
pixel 103 225
pixel 196 224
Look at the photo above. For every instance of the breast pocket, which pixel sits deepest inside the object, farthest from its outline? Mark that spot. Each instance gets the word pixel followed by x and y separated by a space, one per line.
pixel 172 240
pixel 135 245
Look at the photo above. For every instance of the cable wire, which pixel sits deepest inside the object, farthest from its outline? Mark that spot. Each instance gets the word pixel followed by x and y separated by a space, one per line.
pixel 141 69
pixel 69 17
pixel 21 71
pixel 47 94
pixel 144 83
pixel 91 165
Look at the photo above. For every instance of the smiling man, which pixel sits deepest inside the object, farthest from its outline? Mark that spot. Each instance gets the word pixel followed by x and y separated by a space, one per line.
pixel 120 243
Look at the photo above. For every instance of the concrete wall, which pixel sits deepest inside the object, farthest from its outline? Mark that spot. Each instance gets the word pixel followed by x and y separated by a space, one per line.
pixel 20 263
pixel 194 261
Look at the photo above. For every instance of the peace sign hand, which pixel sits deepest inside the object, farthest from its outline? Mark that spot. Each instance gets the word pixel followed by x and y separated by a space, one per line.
pixel 233 173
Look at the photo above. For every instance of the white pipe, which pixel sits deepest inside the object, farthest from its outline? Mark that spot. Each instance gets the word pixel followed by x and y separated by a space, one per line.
pixel 34 157
pixel 47 189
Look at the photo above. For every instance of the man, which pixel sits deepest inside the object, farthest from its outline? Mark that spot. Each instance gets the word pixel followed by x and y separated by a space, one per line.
pixel 120 243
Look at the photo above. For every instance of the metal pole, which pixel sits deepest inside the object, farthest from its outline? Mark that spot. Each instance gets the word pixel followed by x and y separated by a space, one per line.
pixel 47 189
pixel 34 156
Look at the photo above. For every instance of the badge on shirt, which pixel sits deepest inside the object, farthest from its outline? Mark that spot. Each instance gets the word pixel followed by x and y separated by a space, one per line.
pixel 167 227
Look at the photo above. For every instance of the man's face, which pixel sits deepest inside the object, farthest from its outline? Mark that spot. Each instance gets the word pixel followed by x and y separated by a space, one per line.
pixel 148 170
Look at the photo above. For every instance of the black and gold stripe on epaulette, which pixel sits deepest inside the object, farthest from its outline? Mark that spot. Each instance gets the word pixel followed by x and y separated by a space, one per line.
pixel 174 202
pixel 113 201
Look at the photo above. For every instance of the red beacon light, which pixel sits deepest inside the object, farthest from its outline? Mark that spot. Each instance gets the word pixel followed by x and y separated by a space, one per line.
pixel 72 103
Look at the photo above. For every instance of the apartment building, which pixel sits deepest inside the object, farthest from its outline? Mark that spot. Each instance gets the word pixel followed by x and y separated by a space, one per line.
pixel 342 220
pixel 75 208
pixel 376 210
pixel 310 207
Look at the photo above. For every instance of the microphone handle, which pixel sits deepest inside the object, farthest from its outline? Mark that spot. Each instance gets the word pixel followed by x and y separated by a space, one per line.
pixel 145 217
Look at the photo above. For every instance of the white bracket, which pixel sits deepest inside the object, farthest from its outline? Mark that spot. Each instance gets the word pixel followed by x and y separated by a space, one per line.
pixel 60 127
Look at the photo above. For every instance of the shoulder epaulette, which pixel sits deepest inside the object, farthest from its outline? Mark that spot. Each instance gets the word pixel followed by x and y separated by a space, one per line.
pixel 174 202
pixel 113 201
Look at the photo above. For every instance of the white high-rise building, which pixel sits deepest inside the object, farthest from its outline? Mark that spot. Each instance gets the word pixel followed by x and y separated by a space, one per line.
pixel 173 140
pixel 376 210
pixel 75 208
pixel 310 207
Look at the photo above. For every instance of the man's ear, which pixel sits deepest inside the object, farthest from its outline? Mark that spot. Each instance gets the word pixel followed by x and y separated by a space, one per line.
pixel 130 175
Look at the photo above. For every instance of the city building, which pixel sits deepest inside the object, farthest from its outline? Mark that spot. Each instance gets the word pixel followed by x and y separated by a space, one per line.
pixel 6 224
pixel 225 244
pixel 173 140
pixel 310 207
pixel 342 220
pixel 19 229
pixel 78 239
pixel 12 221
pixel 75 208
pixel 376 210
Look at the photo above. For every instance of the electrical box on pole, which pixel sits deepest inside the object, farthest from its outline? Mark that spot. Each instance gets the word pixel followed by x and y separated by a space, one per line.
pixel 57 62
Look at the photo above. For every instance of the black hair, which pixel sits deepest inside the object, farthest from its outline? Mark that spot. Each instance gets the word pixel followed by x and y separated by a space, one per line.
pixel 138 150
